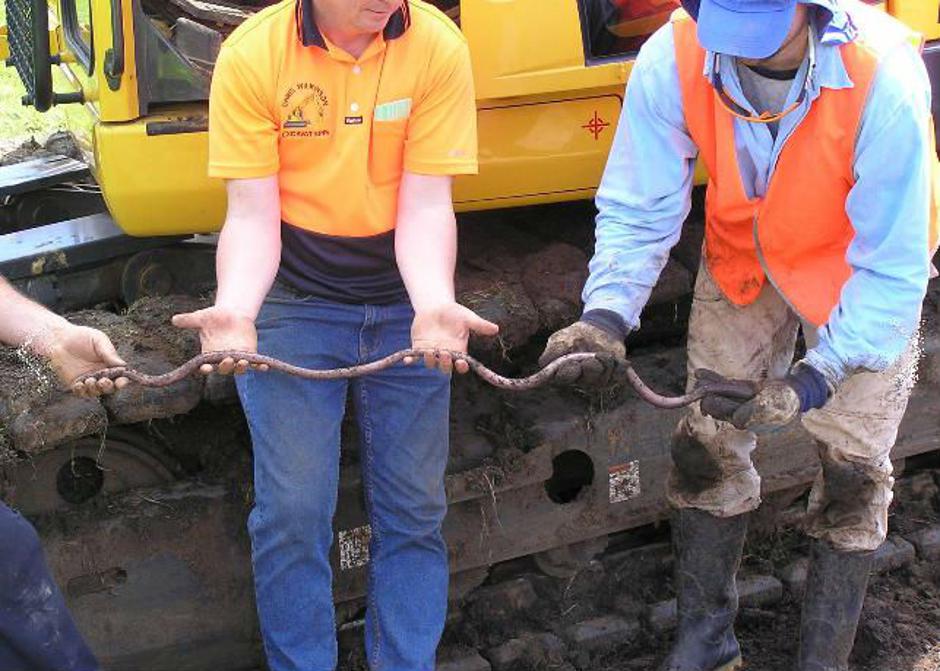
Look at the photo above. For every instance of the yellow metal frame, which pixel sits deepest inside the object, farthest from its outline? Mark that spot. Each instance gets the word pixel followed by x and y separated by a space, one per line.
pixel 157 184
pixel 547 117
pixel 922 15
pixel 110 106
pixel 532 47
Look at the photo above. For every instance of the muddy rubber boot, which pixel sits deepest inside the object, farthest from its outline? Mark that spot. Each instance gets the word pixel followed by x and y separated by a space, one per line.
pixel 708 553
pixel 835 591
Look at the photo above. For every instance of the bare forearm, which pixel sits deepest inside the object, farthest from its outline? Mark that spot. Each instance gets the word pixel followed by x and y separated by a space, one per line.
pixel 23 322
pixel 426 240
pixel 250 245
pixel 426 251
pixel 246 264
pixel 71 350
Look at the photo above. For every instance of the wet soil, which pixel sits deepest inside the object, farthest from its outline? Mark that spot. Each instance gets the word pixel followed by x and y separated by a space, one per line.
pixel 899 628
pixel 145 328
pixel 59 143
pixel 37 414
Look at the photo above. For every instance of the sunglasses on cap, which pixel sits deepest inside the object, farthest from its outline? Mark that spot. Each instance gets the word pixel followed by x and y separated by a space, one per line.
pixel 739 111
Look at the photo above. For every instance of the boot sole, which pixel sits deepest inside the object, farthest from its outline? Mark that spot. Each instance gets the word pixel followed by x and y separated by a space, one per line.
pixel 735 663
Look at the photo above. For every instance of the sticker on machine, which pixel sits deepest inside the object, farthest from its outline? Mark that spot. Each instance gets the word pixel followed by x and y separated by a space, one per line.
pixel 354 547
pixel 624 481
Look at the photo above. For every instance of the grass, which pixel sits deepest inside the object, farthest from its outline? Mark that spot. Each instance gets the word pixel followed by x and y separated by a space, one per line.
pixel 17 122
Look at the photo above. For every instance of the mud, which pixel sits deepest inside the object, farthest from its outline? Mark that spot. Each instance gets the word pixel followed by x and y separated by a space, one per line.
pixel 851 493
pixel 696 468
pixel 899 630
pixel 553 278
pixel 492 279
pixel 493 472
pixel 900 625
pixel 61 143
pixel 28 379
pixel 146 327
pixel 526 616
pixel 37 414
pixel 34 412
pixel 525 269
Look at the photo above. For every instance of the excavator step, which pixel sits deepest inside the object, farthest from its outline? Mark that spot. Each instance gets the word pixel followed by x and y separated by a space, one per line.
pixel 40 173
pixel 67 245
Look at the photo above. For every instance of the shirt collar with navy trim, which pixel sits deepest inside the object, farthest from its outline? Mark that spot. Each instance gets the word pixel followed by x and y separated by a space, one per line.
pixel 311 36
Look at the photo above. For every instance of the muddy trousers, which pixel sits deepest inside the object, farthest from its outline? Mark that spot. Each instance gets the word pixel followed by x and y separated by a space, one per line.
pixel 855 431
pixel 713 476
pixel 402 419
pixel 37 632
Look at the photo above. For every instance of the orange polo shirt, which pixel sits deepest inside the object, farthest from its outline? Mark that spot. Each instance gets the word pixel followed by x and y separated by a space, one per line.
pixel 338 132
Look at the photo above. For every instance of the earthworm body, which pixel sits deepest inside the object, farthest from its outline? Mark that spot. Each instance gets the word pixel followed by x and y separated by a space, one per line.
pixel 495 379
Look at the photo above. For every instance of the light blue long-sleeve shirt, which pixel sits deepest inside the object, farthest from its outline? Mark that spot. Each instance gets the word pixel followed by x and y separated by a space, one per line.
pixel 645 194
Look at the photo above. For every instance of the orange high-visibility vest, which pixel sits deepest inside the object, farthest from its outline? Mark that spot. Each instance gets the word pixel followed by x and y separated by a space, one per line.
pixel 798 233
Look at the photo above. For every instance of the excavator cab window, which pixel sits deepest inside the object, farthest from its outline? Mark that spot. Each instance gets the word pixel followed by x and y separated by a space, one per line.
pixel 618 28
pixel 177 45
pixel 76 24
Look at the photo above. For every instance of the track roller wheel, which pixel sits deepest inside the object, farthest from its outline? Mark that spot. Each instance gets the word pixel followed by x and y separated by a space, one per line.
pixel 567 560
pixel 464 582
pixel 88 468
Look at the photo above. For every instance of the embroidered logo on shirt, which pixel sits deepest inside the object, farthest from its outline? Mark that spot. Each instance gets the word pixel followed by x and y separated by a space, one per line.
pixel 306 105
pixel 393 110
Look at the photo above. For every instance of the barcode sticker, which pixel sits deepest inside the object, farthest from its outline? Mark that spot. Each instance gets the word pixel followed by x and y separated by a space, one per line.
pixel 624 481
pixel 354 547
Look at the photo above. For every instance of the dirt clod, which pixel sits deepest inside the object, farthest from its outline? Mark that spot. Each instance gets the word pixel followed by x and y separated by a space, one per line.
pixel 36 414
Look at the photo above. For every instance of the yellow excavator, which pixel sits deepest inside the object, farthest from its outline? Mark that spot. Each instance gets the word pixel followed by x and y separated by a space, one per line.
pixel 141 498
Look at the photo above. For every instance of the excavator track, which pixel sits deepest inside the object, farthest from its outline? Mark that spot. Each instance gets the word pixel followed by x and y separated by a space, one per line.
pixel 549 474
pixel 141 497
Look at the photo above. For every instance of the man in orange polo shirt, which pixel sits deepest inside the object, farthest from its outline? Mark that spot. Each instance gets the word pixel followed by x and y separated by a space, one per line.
pixel 338 125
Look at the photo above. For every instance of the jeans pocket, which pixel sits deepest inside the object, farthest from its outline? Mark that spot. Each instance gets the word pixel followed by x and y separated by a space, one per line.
pixel 284 293
pixel 279 302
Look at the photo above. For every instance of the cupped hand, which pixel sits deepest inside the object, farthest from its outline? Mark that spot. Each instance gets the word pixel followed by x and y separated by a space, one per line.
pixel 74 351
pixel 222 329
pixel 447 327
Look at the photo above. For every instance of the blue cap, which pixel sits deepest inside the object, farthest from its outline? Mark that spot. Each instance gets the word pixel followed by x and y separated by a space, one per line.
pixel 745 28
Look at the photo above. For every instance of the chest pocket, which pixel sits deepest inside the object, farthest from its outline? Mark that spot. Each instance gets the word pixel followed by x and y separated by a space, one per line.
pixel 389 130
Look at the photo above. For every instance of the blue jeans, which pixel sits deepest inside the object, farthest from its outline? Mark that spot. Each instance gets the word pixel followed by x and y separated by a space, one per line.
pixel 37 632
pixel 402 415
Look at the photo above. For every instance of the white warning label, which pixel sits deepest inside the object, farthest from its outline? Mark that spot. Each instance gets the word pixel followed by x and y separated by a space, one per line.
pixel 354 547
pixel 624 481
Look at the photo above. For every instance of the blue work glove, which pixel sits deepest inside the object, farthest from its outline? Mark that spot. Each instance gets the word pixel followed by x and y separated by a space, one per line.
pixel 776 403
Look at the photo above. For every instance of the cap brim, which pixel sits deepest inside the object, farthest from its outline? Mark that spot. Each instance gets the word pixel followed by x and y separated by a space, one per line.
pixel 743 34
